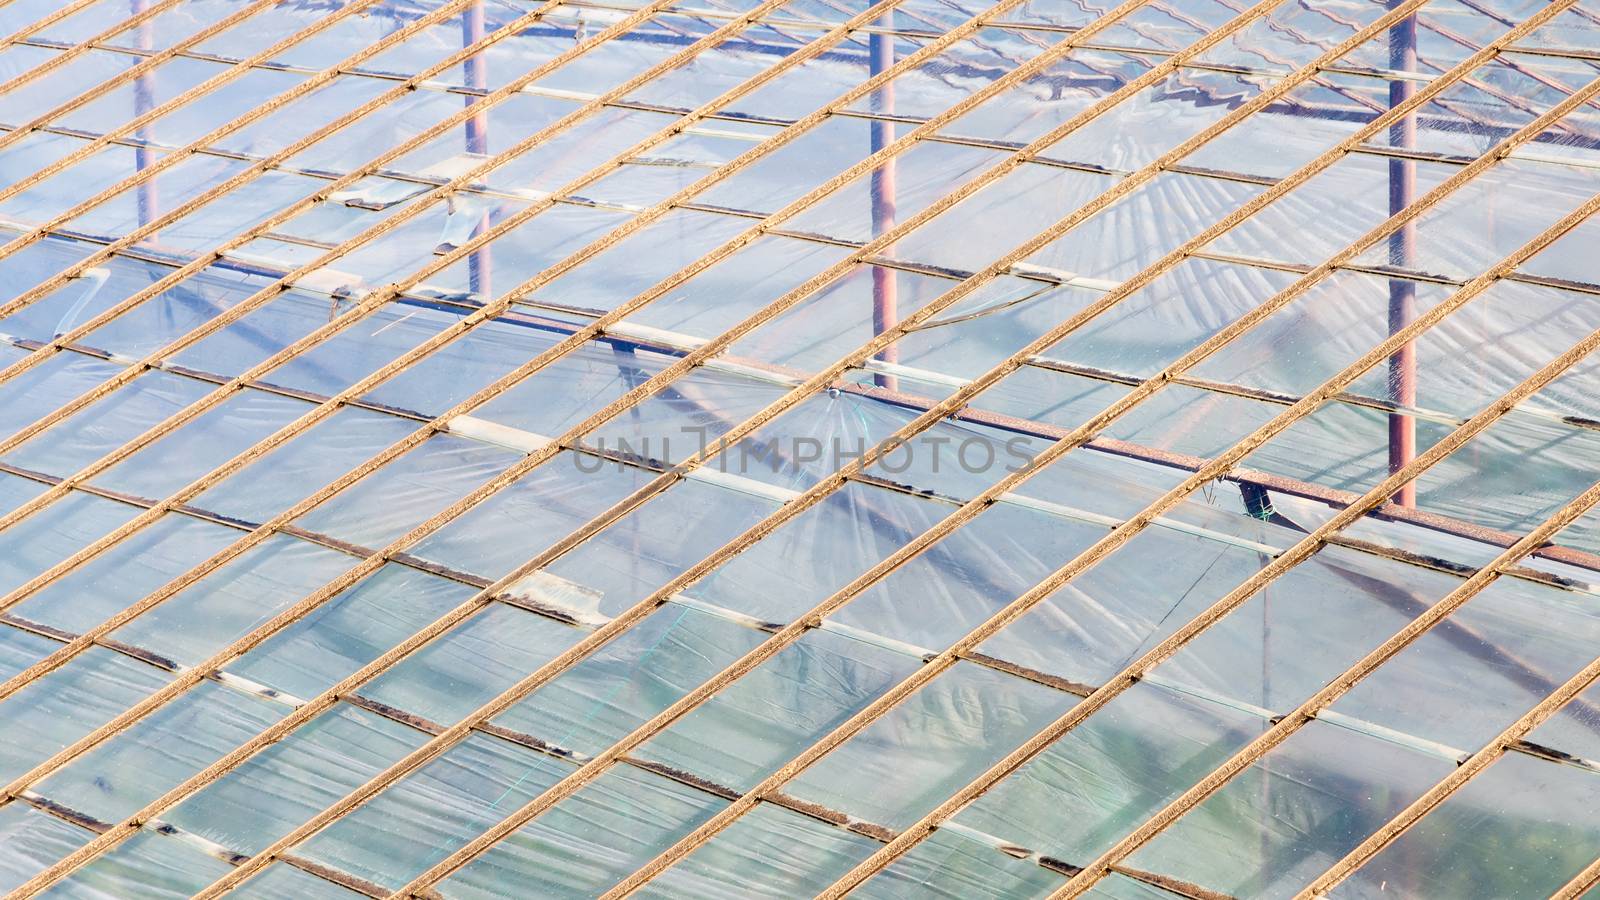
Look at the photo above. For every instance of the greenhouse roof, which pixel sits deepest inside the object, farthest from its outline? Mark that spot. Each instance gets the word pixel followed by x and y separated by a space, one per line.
pixel 721 448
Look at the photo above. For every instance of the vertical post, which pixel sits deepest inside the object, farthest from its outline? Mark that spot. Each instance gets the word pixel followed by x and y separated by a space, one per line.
pixel 884 287
pixel 1402 253
pixel 144 100
pixel 476 71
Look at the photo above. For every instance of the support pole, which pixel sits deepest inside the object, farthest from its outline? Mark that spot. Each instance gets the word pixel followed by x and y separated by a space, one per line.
pixel 885 312
pixel 144 100
pixel 1402 253
pixel 476 71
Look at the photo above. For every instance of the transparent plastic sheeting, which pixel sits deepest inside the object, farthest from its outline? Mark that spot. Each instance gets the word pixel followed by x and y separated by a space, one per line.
pixel 205 259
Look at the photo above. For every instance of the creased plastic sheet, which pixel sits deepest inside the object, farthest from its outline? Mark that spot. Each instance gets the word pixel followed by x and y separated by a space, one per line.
pixel 943 736
pixel 1291 35
pixel 472 663
pixel 543 506
pixel 31 547
pixel 952 864
pixel 188 121
pixel 288 782
pixel 20 649
pixel 107 423
pixel 1065 88
pixel 71 79
pixel 813 83
pixel 206 442
pixel 721 67
pixel 1292 814
pixel 957 73
pixel 279 479
pixel 155 322
pixel 639 674
pixel 439 807
pixel 119 577
pixel 68 703
pixel 1521 807
pixel 597 836
pixel 1515 475
pixel 350 629
pixel 642 551
pixel 1156 324
pixel 407 491
pixel 966 578
pixel 121 775
pixel 819 551
pixel 1111 772
pixel 1136 132
pixel 727 293
pixel 1259 655
pixel 739 736
pixel 148 864
pixel 230 601
pixel 1476 672
pixel 769 852
pixel 1513 201
pixel 34 839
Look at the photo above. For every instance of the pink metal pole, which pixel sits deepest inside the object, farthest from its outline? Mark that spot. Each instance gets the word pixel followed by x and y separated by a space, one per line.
pixel 144 100
pixel 885 313
pixel 1402 252
pixel 476 70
